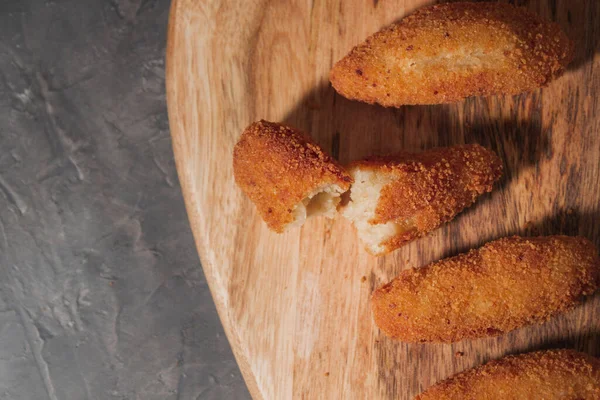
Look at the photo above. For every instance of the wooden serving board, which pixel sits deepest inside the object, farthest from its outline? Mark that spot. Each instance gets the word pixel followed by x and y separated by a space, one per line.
pixel 296 306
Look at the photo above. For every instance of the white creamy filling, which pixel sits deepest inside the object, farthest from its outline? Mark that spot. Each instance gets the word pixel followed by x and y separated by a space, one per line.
pixel 364 196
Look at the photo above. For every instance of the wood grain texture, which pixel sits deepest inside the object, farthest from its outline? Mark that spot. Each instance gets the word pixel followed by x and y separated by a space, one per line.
pixel 296 306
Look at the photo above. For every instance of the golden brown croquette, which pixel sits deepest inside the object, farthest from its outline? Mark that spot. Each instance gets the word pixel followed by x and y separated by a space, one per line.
pixel 548 375
pixel 286 175
pixel 444 53
pixel 502 286
pixel 399 198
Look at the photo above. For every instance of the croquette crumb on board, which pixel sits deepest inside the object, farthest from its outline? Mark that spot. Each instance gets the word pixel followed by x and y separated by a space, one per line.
pixel 296 306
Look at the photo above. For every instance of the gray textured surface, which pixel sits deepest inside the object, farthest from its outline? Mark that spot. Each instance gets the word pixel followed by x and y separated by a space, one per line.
pixel 101 291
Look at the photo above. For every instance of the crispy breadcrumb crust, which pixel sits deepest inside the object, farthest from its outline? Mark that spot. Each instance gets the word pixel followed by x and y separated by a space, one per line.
pixel 502 286
pixel 277 166
pixel 444 53
pixel 548 375
pixel 430 188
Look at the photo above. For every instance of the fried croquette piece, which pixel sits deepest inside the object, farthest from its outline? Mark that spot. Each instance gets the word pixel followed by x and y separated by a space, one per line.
pixel 444 53
pixel 502 286
pixel 286 175
pixel 548 375
pixel 399 198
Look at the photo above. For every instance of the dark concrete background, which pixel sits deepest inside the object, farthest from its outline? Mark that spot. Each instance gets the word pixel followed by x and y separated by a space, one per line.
pixel 101 291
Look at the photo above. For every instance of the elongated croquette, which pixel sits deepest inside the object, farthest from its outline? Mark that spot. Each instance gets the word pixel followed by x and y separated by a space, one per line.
pixel 548 375
pixel 286 175
pixel 445 53
pixel 399 198
pixel 502 286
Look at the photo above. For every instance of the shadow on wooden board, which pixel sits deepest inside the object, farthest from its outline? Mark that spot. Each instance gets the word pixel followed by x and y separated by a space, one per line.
pixel 568 222
pixel 352 130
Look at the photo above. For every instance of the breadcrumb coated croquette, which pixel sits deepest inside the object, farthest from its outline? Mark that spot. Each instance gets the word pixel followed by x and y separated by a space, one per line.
pixel 444 53
pixel 399 198
pixel 548 375
pixel 502 286
pixel 286 175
